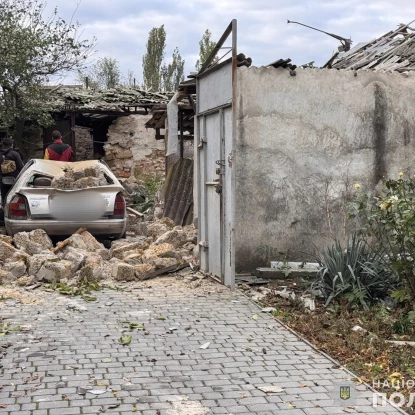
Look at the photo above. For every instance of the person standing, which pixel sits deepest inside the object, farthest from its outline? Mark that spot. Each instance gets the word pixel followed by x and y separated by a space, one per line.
pixel 58 150
pixel 11 165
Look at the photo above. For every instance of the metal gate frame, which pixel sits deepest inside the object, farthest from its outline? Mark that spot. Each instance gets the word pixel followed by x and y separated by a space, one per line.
pixel 227 165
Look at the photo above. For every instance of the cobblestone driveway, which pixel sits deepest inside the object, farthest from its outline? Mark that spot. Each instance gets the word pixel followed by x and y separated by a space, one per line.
pixel 51 368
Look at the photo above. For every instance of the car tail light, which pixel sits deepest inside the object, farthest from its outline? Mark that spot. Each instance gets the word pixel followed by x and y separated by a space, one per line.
pixel 17 208
pixel 119 206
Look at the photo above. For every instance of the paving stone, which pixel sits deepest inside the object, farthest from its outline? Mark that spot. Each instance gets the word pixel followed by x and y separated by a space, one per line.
pixel 151 372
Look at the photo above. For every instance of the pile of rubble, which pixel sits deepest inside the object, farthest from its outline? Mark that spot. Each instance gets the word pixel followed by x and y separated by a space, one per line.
pixel 30 257
pixel 91 176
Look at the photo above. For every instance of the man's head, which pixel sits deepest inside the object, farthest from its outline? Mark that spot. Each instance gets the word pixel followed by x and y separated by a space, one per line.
pixel 56 135
pixel 7 143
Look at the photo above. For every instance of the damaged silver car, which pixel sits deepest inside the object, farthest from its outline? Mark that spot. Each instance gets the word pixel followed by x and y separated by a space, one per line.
pixel 43 197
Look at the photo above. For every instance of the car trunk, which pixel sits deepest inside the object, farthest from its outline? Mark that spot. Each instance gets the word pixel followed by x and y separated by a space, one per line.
pixel 71 205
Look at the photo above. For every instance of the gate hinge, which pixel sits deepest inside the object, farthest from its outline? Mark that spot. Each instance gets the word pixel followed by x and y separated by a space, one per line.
pixel 204 244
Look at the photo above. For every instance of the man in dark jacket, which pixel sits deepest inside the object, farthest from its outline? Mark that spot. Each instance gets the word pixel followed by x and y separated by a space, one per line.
pixel 58 150
pixel 11 165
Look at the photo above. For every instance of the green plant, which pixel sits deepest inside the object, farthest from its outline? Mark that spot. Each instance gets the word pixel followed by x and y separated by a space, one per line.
pixel 389 223
pixel 353 273
pixel 149 189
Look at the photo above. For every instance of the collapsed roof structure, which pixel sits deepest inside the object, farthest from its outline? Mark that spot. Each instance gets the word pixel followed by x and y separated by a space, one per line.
pixel 394 51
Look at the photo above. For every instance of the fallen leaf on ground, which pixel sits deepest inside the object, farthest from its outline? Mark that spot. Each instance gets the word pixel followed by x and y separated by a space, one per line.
pixel 125 340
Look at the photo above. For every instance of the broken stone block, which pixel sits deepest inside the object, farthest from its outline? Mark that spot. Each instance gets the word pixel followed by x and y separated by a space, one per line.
pixel 91 243
pixel 75 256
pixel 168 222
pixel 134 258
pixel 91 272
pixel 104 253
pixel 55 271
pixel 6 277
pixel 40 237
pixel 162 251
pixel 143 269
pixel 35 262
pixel 6 251
pixel 19 256
pixel 123 272
pixel 175 237
pixel 140 229
pixel 123 250
pixel 23 241
pixel 17 269
pixel 92 171
pixel 156 229
pixel 6 239
pixel 159 263
pixel 77 242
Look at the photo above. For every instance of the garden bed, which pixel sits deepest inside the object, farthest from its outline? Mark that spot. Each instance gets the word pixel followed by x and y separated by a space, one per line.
pixel 385 366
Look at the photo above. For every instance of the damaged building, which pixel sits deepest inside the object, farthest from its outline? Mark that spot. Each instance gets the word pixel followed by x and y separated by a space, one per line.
pixel 279 148
pixel 111 125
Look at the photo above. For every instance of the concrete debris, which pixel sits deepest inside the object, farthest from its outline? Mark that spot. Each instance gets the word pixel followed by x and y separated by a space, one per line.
pixel 30 257
pixel 55 271
pixel 91 176
pixel 17 269
pixel 123 272
pixel 34 242
pixel 6 251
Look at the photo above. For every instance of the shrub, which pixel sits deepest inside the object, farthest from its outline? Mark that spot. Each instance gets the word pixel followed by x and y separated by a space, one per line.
pixel 353 273
pixel 389 225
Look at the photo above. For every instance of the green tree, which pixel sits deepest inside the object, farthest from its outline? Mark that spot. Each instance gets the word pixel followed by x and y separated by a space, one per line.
pixel 173 73
pixel 206 47
pixel 105 74
pixel 33 51
pixel 153 59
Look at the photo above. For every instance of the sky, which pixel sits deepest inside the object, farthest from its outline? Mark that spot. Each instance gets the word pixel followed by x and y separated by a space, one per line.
pixel 122 26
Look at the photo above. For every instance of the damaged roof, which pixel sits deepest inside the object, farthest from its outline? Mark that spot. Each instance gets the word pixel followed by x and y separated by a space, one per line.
pixel 394 51
pixel 120 99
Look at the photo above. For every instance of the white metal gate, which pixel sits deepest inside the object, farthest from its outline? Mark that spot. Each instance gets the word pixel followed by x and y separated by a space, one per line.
pixel 214 170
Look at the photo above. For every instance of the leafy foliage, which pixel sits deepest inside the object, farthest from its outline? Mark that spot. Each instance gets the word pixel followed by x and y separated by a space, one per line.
pixel 149 189
pixel 206 47
pixel 33 50
pixel 82 288
pixel 105 74
pixel 153 58
pixel 389 223
pixel 354 273
pixel 172 74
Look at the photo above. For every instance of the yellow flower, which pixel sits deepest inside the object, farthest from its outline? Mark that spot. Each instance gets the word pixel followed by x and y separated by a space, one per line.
pixel 357 186
pixel 385 205
pixel 400 174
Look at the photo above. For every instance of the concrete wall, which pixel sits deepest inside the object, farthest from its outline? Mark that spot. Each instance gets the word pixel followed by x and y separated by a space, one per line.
pixel 132 150
pixel 303 142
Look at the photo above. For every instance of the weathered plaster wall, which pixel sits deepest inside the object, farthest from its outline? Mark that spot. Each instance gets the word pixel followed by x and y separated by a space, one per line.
pixel 132 151
pixel 302 143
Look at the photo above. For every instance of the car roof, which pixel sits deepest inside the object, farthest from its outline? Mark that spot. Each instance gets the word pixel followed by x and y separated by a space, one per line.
pixel 56 167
